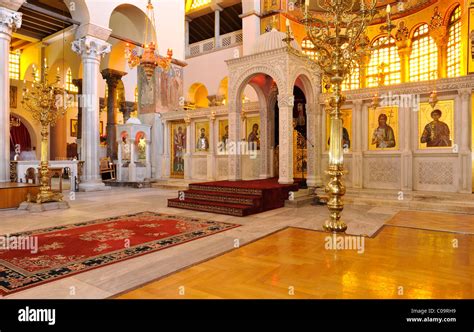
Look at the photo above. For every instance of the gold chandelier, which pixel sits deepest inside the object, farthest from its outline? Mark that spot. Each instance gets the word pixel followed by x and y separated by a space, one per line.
pixel 46 102
pixel 337 29
pixel 148 57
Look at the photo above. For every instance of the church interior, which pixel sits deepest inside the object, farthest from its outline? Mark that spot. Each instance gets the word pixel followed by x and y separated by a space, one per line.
pixel 236 149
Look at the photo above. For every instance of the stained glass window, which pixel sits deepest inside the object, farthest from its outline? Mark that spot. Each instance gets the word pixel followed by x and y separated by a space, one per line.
pixel 424 56
pixel 384 56
pixel 454 44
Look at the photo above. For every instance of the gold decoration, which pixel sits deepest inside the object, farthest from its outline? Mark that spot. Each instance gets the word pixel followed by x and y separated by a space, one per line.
pixel 46 102
pixel 340 45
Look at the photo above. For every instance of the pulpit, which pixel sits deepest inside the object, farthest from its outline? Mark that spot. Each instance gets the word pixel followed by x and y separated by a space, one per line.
pixel 133 140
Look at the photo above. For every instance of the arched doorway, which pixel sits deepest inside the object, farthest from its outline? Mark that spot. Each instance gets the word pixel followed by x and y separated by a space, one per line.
pixel 20 135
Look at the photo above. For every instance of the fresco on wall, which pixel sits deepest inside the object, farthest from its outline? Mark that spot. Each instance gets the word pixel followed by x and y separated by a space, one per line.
pixel 383 128
pixel 435 126
pixel 178 147
pixel 346 132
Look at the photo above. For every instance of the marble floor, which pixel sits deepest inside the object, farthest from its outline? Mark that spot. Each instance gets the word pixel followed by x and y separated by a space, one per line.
pixel 119 277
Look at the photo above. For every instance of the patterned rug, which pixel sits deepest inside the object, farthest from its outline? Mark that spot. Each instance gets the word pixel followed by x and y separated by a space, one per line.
pixel 66 250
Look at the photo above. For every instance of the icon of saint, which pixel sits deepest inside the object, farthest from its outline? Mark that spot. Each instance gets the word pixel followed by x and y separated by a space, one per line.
pixel 436 133
pixel 383 136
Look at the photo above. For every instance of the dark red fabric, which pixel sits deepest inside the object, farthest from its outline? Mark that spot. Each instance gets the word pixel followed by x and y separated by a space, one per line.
pixel 20 135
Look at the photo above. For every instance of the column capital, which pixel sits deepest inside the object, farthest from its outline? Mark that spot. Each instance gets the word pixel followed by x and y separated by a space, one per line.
pixel 112 76
pixel 9 20
pixel 357 103
pixel 286 100
pixel 465 92
pixel 90 47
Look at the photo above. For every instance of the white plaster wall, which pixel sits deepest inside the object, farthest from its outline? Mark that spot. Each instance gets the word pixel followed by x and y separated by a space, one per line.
pixel 208 69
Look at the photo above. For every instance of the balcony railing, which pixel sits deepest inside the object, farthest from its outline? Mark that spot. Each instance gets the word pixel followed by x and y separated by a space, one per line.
pixel 206 46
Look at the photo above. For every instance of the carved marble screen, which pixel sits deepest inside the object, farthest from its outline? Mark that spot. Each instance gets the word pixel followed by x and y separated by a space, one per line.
pixel 436 126
pixel 347 132
pixel 383 128
pixel 177 148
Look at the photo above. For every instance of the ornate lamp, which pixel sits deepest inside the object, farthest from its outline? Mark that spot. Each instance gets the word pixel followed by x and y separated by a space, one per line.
pixel 148 58
pixel 337 30
pixel 46 102
pixel 14 121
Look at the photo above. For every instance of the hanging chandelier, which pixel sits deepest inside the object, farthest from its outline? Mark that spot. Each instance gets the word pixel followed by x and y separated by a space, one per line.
pixel 147 55
pixel 337 29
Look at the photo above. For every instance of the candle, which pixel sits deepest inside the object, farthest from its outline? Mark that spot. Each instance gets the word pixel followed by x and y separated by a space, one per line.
pixel 389 9
pixel 45 63
pixel 57 71
pixel 306 5
pixel 287 23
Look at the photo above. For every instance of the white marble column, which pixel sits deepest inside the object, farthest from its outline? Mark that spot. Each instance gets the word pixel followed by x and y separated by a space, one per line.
pixel 217 26
pixel 188 172
pixel 91 50
pixel 285 105
pixel 9 20
pixel 357 158
pixel 148 163
pixel 166 161
pixel 250 24
pixel 235 161
pixel 407 118
pixel 465 154
pixel 211 156
pixel 187 20
pixel 132 167
pixel 264 144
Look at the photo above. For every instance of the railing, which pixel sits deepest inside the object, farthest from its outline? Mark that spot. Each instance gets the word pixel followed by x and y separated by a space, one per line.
pixel 206 46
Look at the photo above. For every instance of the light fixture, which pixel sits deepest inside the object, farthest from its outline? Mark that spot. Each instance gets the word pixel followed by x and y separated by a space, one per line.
pixel 338 33
pixel 146 55
pixel 47 102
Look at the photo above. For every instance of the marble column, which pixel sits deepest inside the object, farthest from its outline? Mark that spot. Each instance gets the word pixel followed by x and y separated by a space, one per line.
pixel 187 20
pixel 9 20
pixel 465 154
pixel 126 108
pixel 407 118
pixel 166 160
pixel 285 105
pixel 235 161
pixel 264 144
pixel 211 156
pixel 357 158
pixel 112 77
pixel 78 83
pixel 217 26
pixel 188 151
pixel 90 49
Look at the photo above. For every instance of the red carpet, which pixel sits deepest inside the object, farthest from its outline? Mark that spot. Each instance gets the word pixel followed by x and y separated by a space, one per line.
pixel 63 251
pixel 236 198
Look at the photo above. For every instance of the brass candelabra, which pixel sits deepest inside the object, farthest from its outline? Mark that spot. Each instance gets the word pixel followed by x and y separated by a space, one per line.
pixel 337 30
pixel 47 102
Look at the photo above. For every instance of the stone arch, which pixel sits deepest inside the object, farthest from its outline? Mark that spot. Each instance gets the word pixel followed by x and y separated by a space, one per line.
pixel 236 87
pixel 31 130
pixel 79 10
pixel 197 94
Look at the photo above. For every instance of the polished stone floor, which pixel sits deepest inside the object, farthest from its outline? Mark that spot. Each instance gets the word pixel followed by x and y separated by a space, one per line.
pixel 119 277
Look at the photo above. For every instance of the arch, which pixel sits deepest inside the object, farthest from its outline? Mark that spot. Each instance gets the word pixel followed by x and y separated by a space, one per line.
pixel 79 10
pixel 304 80
pixel 416 27
pixel 223 89
pixel 30 128
pixel 197 95
pixel 450 11
pixel 245 77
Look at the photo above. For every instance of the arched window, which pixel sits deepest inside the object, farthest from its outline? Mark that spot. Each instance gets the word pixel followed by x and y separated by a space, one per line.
pixel 424 56
pixel 308 48
pixel 353 81
pixel 14 65
pixel 454 44
pixel 69 85
pixel 384 55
